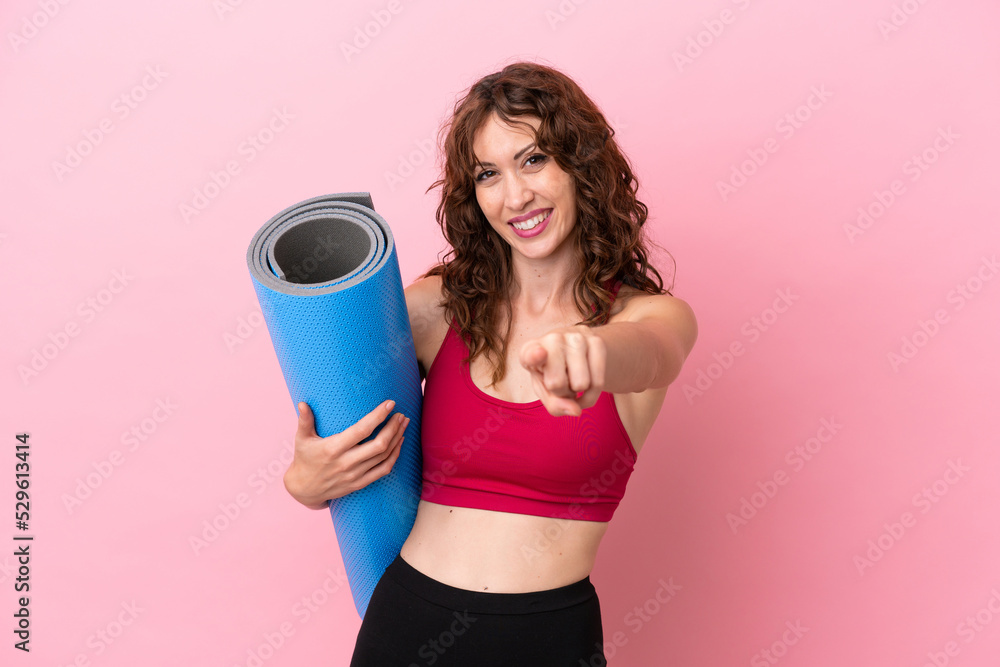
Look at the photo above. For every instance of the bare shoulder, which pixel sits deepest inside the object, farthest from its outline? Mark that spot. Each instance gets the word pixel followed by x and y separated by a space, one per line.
pixel 423 293
pixel 425 304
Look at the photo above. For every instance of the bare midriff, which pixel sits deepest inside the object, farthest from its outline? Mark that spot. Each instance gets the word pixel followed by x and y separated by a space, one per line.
pixel 500 552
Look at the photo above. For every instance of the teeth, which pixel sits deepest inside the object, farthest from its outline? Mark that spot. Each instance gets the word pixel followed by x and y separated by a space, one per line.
pixel 531 223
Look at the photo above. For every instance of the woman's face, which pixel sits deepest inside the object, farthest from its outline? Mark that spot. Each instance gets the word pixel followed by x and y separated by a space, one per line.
pixel 517 183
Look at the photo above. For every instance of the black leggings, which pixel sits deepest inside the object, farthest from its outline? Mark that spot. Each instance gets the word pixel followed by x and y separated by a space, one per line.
pixel 416 621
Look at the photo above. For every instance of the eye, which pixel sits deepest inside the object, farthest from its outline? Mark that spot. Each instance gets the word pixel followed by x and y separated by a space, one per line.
pixel 483 175
pixel 537 158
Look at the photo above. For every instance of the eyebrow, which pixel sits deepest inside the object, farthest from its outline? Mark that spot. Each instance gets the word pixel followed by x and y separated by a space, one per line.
pixel 517 156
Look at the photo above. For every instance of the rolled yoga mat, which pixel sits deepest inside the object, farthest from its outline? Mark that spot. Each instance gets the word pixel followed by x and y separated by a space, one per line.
pixel 327 279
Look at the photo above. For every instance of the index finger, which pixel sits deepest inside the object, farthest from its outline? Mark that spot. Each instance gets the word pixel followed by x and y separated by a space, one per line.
pixel 364 427
pixel 530 357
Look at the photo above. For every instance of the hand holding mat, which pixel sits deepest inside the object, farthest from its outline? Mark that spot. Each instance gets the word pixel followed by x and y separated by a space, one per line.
pixel 331 467
pixel 327 278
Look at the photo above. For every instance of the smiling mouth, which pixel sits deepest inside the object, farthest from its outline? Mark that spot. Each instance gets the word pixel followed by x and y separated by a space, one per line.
pixel 532 222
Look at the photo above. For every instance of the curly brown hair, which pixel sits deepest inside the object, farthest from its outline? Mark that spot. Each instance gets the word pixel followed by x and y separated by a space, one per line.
pixel 608 231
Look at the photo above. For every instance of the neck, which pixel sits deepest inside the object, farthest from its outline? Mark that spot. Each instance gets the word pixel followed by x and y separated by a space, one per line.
pixel 544 287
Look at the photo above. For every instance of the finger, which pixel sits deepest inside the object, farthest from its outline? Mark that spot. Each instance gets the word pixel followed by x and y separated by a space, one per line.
pixel 577 364
pixel 558 406
pixel 533 355
pixel 554 373
pixel 364 427
pixel 369 453
pixel 395 441
pixel 589 398
pixel 561 407
pixel 383 467
pixel 597 356
pixel 307 423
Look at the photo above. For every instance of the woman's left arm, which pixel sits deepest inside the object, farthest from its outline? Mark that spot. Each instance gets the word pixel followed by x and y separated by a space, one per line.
pixel 644 348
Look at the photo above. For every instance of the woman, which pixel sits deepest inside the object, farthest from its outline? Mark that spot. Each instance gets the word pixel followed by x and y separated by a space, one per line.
pixel 571 342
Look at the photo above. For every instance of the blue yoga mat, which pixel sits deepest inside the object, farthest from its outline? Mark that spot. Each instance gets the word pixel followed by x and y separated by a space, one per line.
pixel 327 279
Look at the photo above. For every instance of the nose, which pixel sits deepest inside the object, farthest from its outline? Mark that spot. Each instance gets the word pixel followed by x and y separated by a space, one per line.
pixel 517 192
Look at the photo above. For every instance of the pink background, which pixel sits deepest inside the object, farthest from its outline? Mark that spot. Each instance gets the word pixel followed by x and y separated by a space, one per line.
pixel 923 88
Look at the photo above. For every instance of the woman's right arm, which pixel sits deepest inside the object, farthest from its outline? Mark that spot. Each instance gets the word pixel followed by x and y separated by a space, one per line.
pixel 331 467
